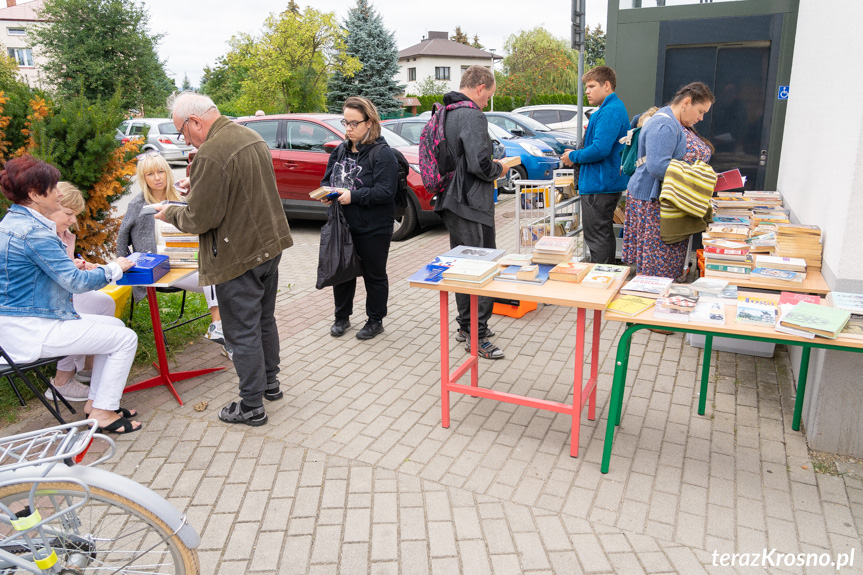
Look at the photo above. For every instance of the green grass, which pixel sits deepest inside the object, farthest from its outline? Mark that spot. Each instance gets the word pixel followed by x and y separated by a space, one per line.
pixel 178 339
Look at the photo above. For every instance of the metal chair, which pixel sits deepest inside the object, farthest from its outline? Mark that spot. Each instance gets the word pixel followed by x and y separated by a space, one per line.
pixel 10 368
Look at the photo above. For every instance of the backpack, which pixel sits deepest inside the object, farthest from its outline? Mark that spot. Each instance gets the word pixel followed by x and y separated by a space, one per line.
pixel 437 163
pixel 402 188
pixel 629 159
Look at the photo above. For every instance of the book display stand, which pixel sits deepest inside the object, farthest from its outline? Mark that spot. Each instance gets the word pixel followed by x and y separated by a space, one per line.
pixel 547 208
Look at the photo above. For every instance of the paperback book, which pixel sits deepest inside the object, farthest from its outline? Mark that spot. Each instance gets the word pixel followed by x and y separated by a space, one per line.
pixel 471 270
pixel 510 274
pixel 647 286
pixel 669 313
pixel 680 296
pixel 570 271
pixel 630 305
pixel 474 253
pixel 708 312
pixel 852 302
pixel 771 275
pixel 755 311
pixel 604 275
pixel 707 285
pixel 780 263
pixel 431 272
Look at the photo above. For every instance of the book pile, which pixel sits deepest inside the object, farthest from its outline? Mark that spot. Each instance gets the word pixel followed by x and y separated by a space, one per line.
pixel 181 248
pixel 758 211
pixel 528 273
pixel 787 301
pixel 603 276
pixel 726 259
pixel 799 241
pixel 853 303
pixel 570 271
pixel 470 273
pixel 646 286
pixel 326 191
pixel 710 286
pixel 778 269
pixel 817 319
pixel 676 304
pixel 755 310
pixel 553 250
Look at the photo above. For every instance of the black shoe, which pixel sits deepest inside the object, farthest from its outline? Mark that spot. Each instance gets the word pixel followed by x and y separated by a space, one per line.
pixel 340 327
pixel 273 393
pixel 464 335
pixel 371 329
pixel 234 412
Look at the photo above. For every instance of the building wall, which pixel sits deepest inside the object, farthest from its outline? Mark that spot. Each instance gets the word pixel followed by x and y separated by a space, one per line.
pixel 821 178
pixel 426 65
pixel 30 74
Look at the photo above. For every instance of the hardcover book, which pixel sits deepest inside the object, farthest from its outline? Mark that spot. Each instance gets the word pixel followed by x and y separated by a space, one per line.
pixel 818 319
pixel 603 275
pixel 527 273
pixel 431 273
pixel 647 286
pixel 474 253
pixel 570 271
pixel 510 274
pixel 471 270
pixel 554 245
pixel 751 311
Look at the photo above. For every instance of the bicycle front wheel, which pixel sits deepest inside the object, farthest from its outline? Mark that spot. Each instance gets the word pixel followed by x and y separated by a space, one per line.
pixel 109 534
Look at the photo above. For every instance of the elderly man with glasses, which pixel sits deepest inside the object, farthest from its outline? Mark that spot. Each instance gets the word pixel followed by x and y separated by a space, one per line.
pixel 234 207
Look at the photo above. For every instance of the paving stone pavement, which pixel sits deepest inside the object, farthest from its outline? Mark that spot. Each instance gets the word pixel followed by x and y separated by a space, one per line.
pixel 354 473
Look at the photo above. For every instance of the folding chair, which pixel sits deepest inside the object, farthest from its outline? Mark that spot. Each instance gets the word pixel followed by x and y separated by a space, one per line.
pixel 10 368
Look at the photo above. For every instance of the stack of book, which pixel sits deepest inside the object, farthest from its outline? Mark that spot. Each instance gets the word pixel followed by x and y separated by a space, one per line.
pixel 787 301
pixel 726 259
pixel 709 286
pixel 553 250
pixel 799 241
pixel 570 271
pixel 181 248
pixel 470 273
pixel 778 269
pixel 528 273
pixel 853 303
pixel 820 320
pixel 676 304
pixel 647 286
pixel 603 276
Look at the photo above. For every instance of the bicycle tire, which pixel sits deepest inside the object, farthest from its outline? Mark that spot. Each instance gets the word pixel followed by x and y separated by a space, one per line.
pixel 109 524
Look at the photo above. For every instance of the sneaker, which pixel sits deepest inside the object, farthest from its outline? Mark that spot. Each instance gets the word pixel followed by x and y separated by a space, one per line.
pixel 340 327
pixel 72 391
pixel 84 376
pixel 227 352
pixel 214 332
pixel 487 349
pixel 463 335
pixel 371 329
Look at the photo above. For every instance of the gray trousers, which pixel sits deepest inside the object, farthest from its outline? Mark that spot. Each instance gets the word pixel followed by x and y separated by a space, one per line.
pixel 597 212
pixel 464 232
pixel 247 305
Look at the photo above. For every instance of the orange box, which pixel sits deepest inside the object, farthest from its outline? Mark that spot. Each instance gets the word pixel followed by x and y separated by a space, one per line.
pixel 513 310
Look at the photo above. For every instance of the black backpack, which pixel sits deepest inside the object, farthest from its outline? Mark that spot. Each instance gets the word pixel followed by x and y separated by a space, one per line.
pixel 402 188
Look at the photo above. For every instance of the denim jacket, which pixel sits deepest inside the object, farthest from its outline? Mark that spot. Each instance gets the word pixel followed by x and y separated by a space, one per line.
pixel 37 278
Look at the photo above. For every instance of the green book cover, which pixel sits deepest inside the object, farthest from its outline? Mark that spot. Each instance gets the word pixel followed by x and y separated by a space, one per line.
pixel 817 318
pixel 728 268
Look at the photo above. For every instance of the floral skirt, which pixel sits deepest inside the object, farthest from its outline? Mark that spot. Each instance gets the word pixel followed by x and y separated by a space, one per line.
pixel 643 246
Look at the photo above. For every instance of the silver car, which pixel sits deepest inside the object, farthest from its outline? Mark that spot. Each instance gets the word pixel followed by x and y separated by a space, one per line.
pixel 161 135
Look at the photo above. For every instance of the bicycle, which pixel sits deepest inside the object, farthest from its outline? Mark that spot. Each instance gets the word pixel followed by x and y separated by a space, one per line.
pixel 60 517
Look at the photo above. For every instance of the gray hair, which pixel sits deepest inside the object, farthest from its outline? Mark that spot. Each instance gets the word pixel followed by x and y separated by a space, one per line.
pixel 187 103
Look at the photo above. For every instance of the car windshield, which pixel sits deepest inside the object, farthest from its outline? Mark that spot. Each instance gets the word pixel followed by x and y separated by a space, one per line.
pixel 393 140
pixel 499 133
pixel 532 124
pixel 168 128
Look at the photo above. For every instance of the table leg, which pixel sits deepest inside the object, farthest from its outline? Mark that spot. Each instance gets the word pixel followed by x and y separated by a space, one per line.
pixel 165 377
pixel 627 345
pixel 616 401
pixel 578 381
pixel 444 358
pixel 474 340
pixel 705 372
pixel 594 364
pixel 801 387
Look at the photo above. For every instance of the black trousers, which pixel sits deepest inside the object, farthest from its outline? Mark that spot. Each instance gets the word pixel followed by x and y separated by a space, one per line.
pixel 597 211
pixel 247 305
pixel 464 232
pixel 373 251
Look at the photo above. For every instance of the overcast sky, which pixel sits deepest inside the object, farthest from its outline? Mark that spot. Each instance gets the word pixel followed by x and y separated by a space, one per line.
pixel 197 31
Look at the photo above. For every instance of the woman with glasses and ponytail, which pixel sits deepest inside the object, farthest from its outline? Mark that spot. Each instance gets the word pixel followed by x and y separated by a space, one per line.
pixel 365 166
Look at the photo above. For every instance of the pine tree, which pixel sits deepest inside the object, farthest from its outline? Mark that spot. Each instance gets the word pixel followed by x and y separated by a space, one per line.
pixel 459 36
pixel 187 85
pixel 375 47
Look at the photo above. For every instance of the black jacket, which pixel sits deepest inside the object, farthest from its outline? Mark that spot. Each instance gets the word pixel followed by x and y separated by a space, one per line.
pixel 373 187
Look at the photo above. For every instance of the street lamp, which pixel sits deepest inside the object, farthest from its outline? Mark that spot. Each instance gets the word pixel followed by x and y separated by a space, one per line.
pixel 492 50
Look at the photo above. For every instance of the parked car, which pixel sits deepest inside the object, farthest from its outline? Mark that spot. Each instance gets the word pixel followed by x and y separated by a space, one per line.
pixel 538 160
pixel 301 144
pixel 160 135
pixel 560 117
pixel 411 128
pixel 519 125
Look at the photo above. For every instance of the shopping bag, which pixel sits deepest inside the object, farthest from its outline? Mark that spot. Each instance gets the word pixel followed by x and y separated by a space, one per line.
pixel 337 259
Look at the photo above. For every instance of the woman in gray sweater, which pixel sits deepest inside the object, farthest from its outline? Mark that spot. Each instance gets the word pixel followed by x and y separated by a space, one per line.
pixel 138 233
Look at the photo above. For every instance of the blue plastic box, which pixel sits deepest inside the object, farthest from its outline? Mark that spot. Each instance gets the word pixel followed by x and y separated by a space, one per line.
pixel 148 269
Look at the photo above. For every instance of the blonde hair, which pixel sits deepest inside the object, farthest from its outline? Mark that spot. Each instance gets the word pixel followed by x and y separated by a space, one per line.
pixel 145 165
pixel 71 198
pixel 647 115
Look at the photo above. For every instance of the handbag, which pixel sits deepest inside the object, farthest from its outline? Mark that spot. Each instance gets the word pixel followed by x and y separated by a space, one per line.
pixel 338 261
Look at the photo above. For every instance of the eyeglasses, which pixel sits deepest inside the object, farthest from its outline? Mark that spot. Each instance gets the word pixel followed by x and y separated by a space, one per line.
pixel 183 127
pixel 351 125
pixel 148 153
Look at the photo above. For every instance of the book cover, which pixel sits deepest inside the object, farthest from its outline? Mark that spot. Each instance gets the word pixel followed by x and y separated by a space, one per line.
pixel 755 313
pixel 852 302
pixel 474 253
pixel 630 305
pixel 527 273
pixel 514 260
pixel 780 263
pixel 472 270
pixel 570 271
pixel 708 312
pixel 325 191
pixel 732 220
pixel 854 327
pixel 648 286
pixel 744 251
pixel 818 319
pixel 794 298
pixel 555 244
pixel 772 275
pixel 603 275
pixel 707 285
pixel 431 273
pixel 784 309
pixel 680 296
pixel 725 244
pixel 669 314
pixel 730 180
pixel 510 275
pixel 728 268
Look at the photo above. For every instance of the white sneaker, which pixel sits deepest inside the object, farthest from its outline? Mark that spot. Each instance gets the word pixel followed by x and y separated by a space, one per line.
pixel 214 332
pixel 228 352
pixel 84 376
pixel 71 391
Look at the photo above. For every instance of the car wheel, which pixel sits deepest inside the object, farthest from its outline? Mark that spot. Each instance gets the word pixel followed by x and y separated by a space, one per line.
pixel 403 226
pixel 515 173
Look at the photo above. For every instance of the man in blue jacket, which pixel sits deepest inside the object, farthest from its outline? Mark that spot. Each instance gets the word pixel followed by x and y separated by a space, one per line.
pixel 600 182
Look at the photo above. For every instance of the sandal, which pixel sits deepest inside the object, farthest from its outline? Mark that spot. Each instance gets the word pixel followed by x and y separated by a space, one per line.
pixel 119 424
pixel 273 393
pixel 232 413
pixel 127 413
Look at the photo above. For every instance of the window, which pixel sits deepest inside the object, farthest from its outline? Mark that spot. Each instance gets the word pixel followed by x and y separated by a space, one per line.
pixel 23 56
pixel 412 74
pixel 16 31
pixel 546 116
pixel 566 115
pixel 441 73
pixel 308 137
pixel 268 130
pixel 139 129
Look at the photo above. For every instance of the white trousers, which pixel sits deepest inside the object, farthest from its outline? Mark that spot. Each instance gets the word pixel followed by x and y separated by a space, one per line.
pixel 93 303
pixel 190 283
pixel 106 338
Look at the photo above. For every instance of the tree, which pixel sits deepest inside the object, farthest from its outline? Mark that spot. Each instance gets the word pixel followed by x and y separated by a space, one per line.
pixel 99 48
pixel 375 48
pixel 187 85
pixel 476 43
pixel 594 47
pixel 288 68
pixel 429 87
pixel 459 36
pixel 538 63
pixel 224 81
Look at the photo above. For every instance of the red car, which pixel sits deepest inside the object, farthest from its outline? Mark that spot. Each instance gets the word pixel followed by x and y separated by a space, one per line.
pixel 301 145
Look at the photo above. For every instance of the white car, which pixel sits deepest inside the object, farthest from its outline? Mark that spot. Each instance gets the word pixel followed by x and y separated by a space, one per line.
pixel 561 117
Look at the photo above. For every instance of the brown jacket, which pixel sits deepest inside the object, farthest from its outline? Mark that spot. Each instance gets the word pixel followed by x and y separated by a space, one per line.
pixel 234 205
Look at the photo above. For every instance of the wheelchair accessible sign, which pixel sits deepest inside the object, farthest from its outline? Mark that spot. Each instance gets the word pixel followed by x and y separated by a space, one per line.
pixel 782 94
